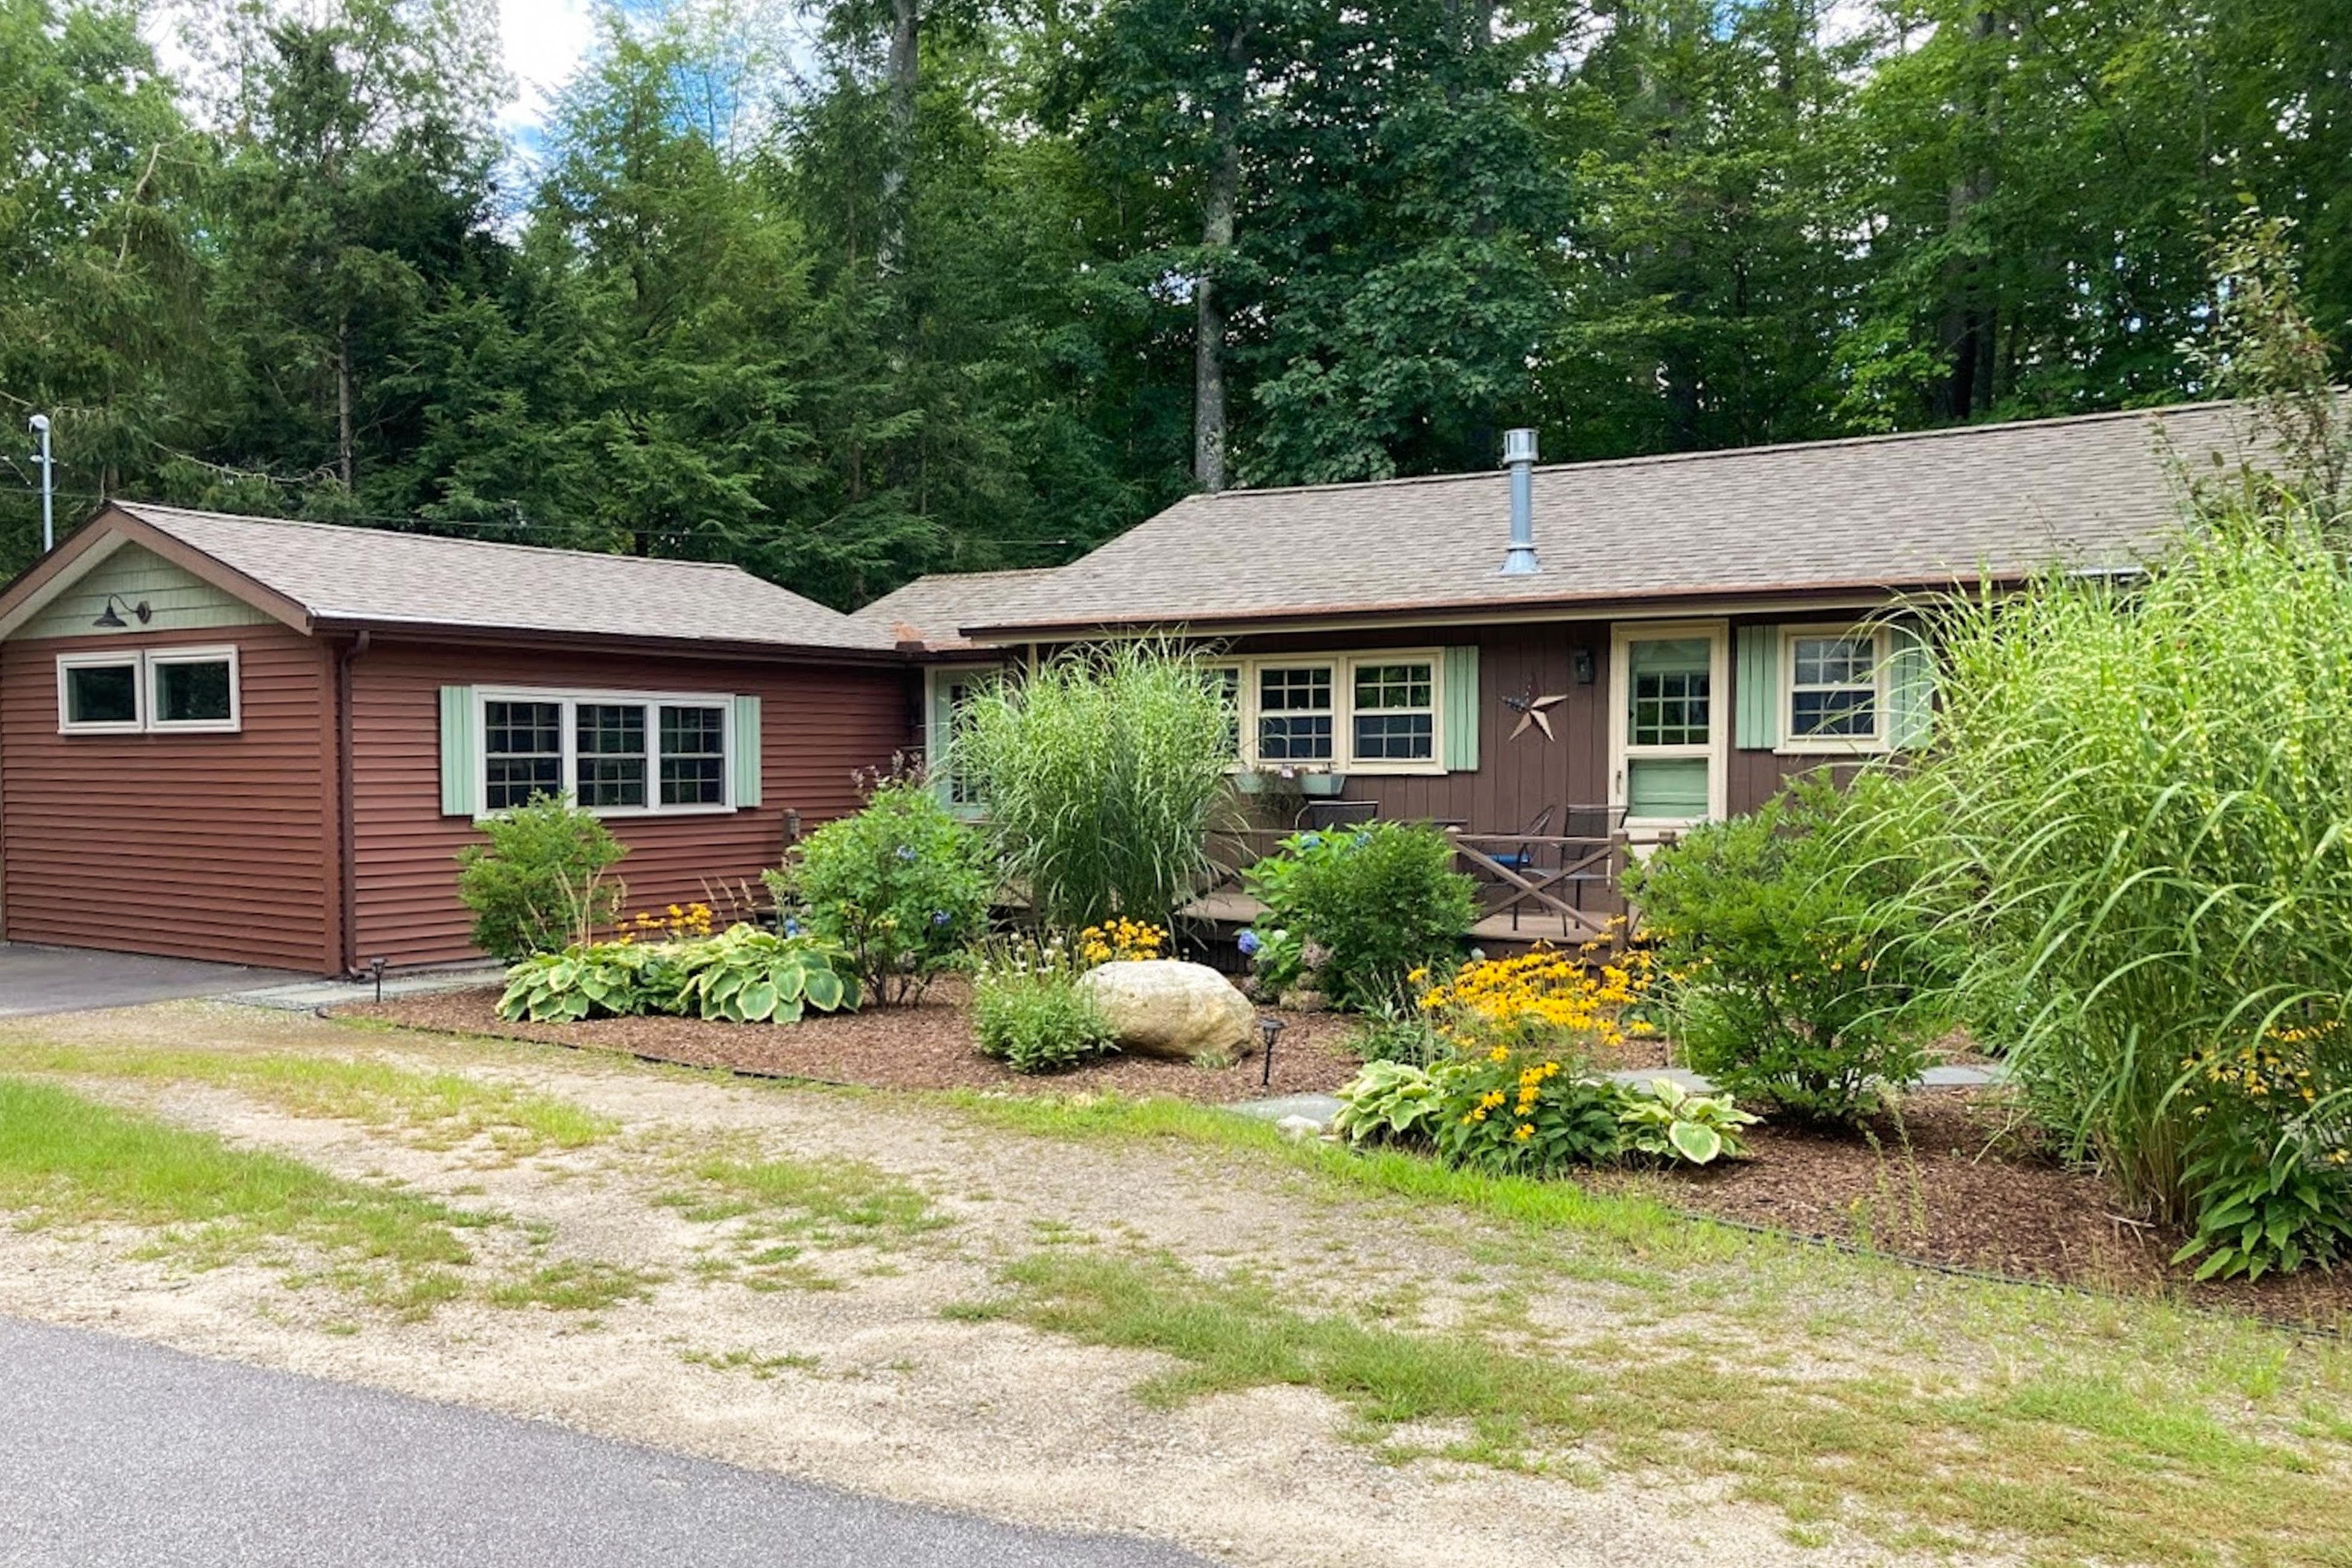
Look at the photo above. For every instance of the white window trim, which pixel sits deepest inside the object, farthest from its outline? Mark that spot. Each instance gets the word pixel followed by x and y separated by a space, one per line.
pixel 129 660
pixel 571 697
pixel 1342 664
pixel 1717 749
pixel 939 762
pixel 142 663
pixel 1784 694
pixel 150 697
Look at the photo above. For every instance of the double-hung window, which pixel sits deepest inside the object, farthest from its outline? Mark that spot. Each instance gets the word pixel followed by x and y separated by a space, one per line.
pixel 1835 688
pixel 610 751
pixel 156 691
pixel 1394 716
pixel 1295 713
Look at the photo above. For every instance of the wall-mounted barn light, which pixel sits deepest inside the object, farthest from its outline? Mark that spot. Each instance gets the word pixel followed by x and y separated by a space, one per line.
pixel 113 622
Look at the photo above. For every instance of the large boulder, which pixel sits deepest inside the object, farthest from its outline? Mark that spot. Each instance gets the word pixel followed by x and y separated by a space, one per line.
pixel 1160 1006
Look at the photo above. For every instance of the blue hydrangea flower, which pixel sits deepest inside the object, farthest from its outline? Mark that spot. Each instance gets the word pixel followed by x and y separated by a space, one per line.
pixel 1308 840
pixel 906 852
pixel 1363 838
pixel 791 927
pixel 1250 944
pixel 941 917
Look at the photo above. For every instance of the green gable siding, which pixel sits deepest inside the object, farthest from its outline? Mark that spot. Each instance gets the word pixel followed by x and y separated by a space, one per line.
pixel 182 601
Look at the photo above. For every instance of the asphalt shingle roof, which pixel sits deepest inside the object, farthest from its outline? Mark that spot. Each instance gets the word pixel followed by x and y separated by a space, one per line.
pixel 929 609
pixel 373 576
pixel 1879 512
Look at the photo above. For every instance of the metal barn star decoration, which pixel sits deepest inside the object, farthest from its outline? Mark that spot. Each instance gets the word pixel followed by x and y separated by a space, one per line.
pixel 1531 709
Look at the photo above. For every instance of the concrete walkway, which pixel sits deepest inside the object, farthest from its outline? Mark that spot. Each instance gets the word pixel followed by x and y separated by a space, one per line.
pixel 34 980
pixel 302 996
pixel 123 1455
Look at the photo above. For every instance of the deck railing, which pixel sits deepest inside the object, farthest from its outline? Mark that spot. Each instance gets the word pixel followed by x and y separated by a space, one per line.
pixel 1546 878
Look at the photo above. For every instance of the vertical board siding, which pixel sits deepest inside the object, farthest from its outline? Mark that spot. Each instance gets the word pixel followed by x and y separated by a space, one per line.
pixel 194 846
pixel 179 601
pixel 819 726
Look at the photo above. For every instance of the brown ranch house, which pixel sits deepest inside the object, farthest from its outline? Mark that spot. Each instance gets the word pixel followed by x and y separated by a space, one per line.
pixel 1621 651
pixel 263 741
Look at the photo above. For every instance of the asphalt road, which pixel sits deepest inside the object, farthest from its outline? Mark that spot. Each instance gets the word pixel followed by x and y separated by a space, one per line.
pixel 115 1452
pixel 70 980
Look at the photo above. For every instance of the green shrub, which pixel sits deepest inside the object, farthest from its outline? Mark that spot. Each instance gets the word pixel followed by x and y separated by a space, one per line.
pixel 2134 812
pixel 1368 904
pixel 902 885
pixel 1665 1121
pixel 1400 1031
pixel 1029 1012
pixel 1101 771
pixel 1788 970
pixel 538 884
pixel 743 975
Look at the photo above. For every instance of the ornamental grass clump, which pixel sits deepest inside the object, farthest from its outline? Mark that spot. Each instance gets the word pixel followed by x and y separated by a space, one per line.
pixel 2135 814
pixel 1100 771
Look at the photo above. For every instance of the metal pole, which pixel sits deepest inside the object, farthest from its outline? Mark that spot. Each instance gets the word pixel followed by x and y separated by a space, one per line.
pixel 40 425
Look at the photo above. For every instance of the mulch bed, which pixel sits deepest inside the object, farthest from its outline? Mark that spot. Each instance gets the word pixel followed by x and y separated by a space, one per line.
pixel 1954 1181
pixel 928 1046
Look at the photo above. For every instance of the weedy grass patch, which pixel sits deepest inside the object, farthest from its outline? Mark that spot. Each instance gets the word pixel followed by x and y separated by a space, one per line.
pixel 66 1159
pixel 439 1109
pixel 2063 1452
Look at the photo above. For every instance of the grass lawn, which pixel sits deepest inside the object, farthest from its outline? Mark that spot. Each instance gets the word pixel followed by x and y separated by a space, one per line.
pixel 66 1160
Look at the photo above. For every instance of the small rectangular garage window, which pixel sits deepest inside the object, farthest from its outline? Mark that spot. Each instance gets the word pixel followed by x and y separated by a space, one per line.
pixel 162 691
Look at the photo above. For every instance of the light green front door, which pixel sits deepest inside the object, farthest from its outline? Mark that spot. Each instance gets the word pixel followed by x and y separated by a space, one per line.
pixel 1668 725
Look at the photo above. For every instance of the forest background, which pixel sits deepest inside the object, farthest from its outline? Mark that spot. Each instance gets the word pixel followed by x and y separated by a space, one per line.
pixel 847 291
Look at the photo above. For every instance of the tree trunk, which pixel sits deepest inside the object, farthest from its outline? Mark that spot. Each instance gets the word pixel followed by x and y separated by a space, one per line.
pixel 905 76
pixel 1216 245
pixel 344 463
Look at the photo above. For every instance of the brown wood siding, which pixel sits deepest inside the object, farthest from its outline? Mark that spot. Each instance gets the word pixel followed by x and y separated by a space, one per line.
pixel 821 725
pixel 1514 779
pixel 197 846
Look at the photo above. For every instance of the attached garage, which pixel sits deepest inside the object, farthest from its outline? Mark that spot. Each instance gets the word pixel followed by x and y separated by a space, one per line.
pixel 265 742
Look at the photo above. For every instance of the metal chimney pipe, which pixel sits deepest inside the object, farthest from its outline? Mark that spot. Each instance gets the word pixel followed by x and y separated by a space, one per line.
pixel 40 425
pixel 1519 457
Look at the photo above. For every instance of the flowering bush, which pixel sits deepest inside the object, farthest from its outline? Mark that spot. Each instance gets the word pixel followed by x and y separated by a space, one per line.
pixel 1541 999
pixel 1363 906
pixel 1028 1011
pixel 1121 940
pixel 2269 1169
pixel 1520 1111
pixel 903 886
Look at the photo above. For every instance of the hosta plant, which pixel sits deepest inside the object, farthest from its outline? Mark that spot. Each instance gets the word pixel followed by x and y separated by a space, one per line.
pixel 1667 1121
pixel 744 975
pixel 1397 1101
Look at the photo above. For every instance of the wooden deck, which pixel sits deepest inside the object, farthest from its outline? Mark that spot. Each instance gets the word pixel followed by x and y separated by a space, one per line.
pixel 1230 907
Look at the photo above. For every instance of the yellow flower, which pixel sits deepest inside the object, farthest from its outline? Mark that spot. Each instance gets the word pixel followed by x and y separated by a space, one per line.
pixel 1524 1133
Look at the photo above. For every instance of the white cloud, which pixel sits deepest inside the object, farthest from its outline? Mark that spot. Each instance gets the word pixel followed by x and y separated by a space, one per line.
pixel 542 42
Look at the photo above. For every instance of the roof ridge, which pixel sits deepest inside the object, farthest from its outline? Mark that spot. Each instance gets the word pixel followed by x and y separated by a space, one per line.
pixel 1653 459
pixel 138 509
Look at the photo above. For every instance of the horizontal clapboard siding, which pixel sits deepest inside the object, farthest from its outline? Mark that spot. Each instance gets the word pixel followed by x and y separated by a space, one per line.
pixel 820 725
pixel 197 846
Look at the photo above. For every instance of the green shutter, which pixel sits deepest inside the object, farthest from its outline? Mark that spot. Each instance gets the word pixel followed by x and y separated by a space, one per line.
pixel 461 752
pixel 744 786
pixel 1910 687
pixel 1461 710
pixel 1757 682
